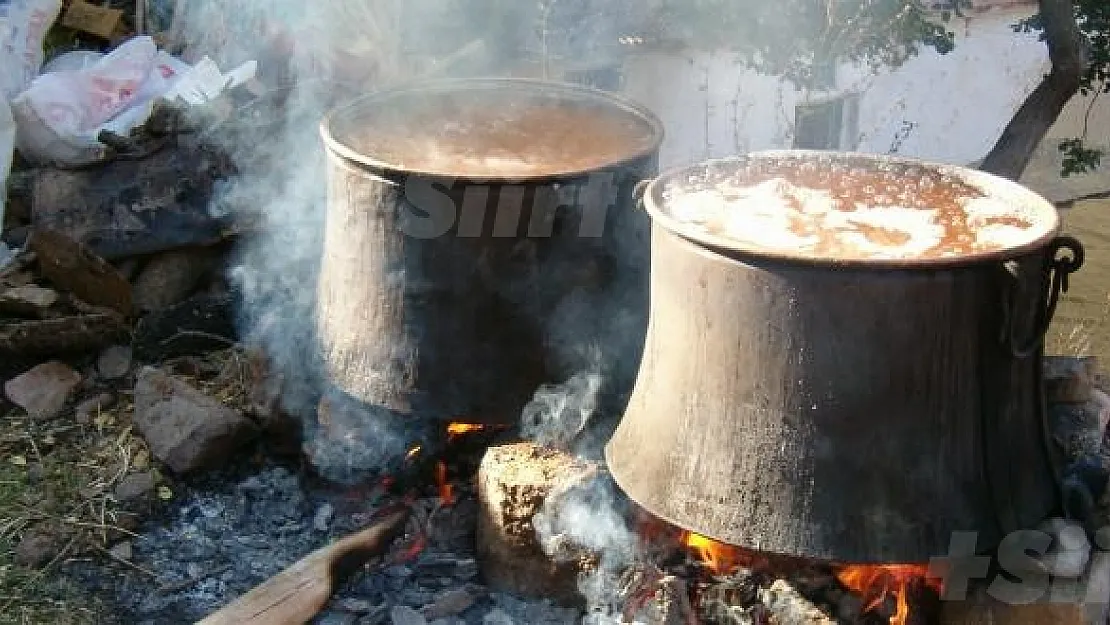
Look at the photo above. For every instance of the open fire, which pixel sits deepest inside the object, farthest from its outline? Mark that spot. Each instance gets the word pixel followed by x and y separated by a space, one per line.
pixel 877 585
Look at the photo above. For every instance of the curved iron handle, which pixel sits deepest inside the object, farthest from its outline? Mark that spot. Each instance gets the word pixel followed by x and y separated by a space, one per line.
pixel 1058 269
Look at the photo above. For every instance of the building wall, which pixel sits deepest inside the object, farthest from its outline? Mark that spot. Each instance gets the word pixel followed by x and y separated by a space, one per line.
pixel 950 107
pixel 1090 113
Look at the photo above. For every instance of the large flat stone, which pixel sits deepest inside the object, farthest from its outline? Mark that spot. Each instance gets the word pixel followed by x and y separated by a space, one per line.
pixel 44 390
pixel 186 429
pixel 129 208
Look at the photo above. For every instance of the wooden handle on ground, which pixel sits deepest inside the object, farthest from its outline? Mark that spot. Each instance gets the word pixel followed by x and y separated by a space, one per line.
pixel 298 593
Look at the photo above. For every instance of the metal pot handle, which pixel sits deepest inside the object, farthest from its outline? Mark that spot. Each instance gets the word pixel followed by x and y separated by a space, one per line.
pixel 1058 270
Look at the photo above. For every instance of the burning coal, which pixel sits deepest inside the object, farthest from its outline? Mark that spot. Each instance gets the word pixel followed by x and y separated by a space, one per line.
pixel 878 584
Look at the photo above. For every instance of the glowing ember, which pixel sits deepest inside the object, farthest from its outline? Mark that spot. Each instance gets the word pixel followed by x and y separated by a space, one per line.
pixel 455 430
pixel 413 453
pixel 446 492
pixel 718 557
pixel 412 550
pixel 875 583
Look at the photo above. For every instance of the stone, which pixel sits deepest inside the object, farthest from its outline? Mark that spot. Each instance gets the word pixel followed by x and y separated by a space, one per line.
pixel 513 484
pixel 170 278
pixel 1069 380
pixel 787 605
pixel 88 409
pixel 322 520
pixel 133 207
pixel 336 618
pixel 497 616
pixel 1076 429
pixel 135 488
pixel 122 551
pixel 114 362
pixel 186 429
pixel 668 604
pixel 354 606
pixel 27 301
pixel 37 548
pixel 451 603
pixel 404 615
pixel 44 390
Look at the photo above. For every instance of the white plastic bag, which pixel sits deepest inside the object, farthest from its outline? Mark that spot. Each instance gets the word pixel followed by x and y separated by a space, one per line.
pixel 61 114
pixel 23 26
pixel 77 59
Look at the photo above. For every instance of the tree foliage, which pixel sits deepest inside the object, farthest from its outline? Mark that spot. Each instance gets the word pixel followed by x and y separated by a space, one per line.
pixel 1093 18
pixel 795 38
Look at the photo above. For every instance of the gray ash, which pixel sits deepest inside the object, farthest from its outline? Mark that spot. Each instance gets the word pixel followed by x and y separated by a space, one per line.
pixel 229 533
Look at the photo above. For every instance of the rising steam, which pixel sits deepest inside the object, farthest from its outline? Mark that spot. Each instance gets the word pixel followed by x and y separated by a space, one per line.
pixel 311 57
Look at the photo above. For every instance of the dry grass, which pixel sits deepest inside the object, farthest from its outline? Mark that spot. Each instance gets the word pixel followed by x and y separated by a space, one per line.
pixel 57 479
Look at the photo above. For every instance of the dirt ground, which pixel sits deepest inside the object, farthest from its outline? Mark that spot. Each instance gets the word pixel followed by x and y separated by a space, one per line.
pixel 1082 322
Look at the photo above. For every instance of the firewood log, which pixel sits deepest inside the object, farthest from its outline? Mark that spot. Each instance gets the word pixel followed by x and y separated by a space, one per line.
pixel 298 593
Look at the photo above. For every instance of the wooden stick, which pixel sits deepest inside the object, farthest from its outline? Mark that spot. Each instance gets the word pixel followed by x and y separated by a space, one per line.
pixel 298 593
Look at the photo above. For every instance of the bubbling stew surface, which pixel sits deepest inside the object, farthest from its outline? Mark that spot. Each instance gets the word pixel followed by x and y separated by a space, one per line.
pixel 487 134
pixel 844 209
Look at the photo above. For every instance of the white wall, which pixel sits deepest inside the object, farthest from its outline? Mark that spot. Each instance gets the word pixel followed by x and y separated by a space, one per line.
pixel 950 107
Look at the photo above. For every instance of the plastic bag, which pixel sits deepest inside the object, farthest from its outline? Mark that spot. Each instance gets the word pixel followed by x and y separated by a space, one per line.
pixel 61 114
pixel 23 26
pixel 77 59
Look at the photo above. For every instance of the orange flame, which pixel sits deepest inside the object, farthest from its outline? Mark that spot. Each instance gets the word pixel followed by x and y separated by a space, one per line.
pixel 875 583
pixel 718 557
pixel 455 430
pixel 446 491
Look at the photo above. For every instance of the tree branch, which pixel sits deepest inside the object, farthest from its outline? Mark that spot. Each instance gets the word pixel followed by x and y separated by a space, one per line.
pixel 1067 49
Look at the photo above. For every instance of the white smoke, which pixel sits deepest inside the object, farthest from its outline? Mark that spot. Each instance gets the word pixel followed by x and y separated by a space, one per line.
pixel 558 414
pixel 313 56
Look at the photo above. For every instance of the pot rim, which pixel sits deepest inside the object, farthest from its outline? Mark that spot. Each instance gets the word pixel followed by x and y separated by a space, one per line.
pixel 331 123
pixel 989 183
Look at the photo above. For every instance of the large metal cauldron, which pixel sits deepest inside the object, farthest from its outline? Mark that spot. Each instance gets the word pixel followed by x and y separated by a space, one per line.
pixel 481 238
pixel 819 396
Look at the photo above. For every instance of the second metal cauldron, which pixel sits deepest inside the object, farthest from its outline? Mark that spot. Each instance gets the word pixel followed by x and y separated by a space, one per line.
pixel 471 224
pixel 856 408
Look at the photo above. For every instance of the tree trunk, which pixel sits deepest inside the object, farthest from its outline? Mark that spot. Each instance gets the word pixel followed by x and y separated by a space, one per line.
pixel 1067 50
